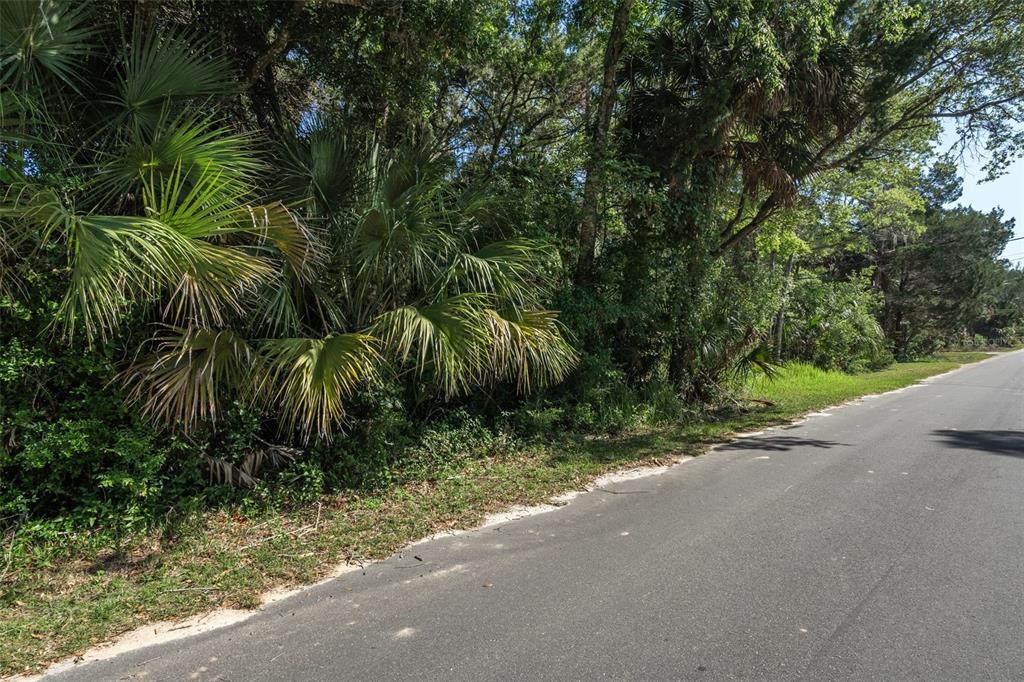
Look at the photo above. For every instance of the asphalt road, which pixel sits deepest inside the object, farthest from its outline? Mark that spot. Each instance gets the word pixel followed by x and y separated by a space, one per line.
pixel 885 541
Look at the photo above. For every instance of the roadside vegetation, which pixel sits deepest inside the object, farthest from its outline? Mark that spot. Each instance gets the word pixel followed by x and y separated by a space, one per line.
pixel 67 594
pixel 287 284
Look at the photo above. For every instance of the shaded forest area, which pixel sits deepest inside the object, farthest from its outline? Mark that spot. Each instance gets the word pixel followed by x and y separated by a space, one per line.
pixel 255 250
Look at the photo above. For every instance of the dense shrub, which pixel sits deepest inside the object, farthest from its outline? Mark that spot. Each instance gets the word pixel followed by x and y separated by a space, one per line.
pixel 70 450
pixel 833 325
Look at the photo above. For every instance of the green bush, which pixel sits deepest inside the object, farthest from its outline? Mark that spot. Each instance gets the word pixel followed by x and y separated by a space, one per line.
pixel 71 455
pixel 832 325
pixel 1010 336
pixel 81 473
pixel 598 397
pixel 379 430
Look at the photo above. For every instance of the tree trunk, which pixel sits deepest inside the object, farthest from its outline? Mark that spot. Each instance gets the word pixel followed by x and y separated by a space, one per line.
pixel 599 140
pixel 780 316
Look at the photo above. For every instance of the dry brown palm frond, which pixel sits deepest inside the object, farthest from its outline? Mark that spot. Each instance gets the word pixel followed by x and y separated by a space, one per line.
pixel 246 473
pixel 768 176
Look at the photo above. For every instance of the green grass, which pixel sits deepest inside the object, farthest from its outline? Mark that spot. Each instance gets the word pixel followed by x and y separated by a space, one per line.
pixel 57 600
pixel 801 388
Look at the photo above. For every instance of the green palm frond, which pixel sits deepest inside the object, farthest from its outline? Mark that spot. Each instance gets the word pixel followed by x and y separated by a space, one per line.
pixel 529 347
pixel 205 207
pixel 321 168
pixel 18 113
pixel 411 172
pixel 9 280
pixel 479 209
pixel 214 285
pixel 190 144
pixel 113 259
pixel 117 260
pixel 214 275
pixel 198 250
pixel 276 311
pixel 41 39
pixel 513 270
pixel 758 360
pixel 294 295
pixel 405 233
pixel 159 69
pixel 185 380
pixel 308 380
pixel 445 341
pixel 292 304
pixel 396 246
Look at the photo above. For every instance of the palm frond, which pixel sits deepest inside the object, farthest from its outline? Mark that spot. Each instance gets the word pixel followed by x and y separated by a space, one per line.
pixel 214 275
pixel 276 312
pixel 321 168
pixel 512 270
pixel 10 282
pixel 159 69
pixel 214 284
pixel 18 113
pixel 41 39
pixel 293 296
pixel 245 473
pixel 290 303
pixel 529 348
pixel 275 225
pixel 405 232
pixel 113 259
pixel 198 249
pixel 308 380
pixel 445 341
pixel 202 208
pixel 758 360
pixel 117 260
pixel 222 472
pixel 188 144
pixel 400 247
pixel 184 381
pixel 411 172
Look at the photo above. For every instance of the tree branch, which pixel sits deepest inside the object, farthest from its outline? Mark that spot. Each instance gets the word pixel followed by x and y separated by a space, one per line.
pixel 276 48
pixel 764 212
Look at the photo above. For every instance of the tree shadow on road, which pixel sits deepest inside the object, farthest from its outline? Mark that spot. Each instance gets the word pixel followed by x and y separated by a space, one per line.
pixel 1010 443
pixel 779 443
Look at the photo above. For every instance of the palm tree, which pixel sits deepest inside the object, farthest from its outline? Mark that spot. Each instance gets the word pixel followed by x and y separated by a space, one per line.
pixel 287 275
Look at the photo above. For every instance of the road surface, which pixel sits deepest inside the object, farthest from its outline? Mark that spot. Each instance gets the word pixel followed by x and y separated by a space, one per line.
pixel 884 541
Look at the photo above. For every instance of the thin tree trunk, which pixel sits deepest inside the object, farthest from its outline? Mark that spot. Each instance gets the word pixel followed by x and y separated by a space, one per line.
pixel 780 316
pixel 766 211
pixel 379 139
pixel 599 141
